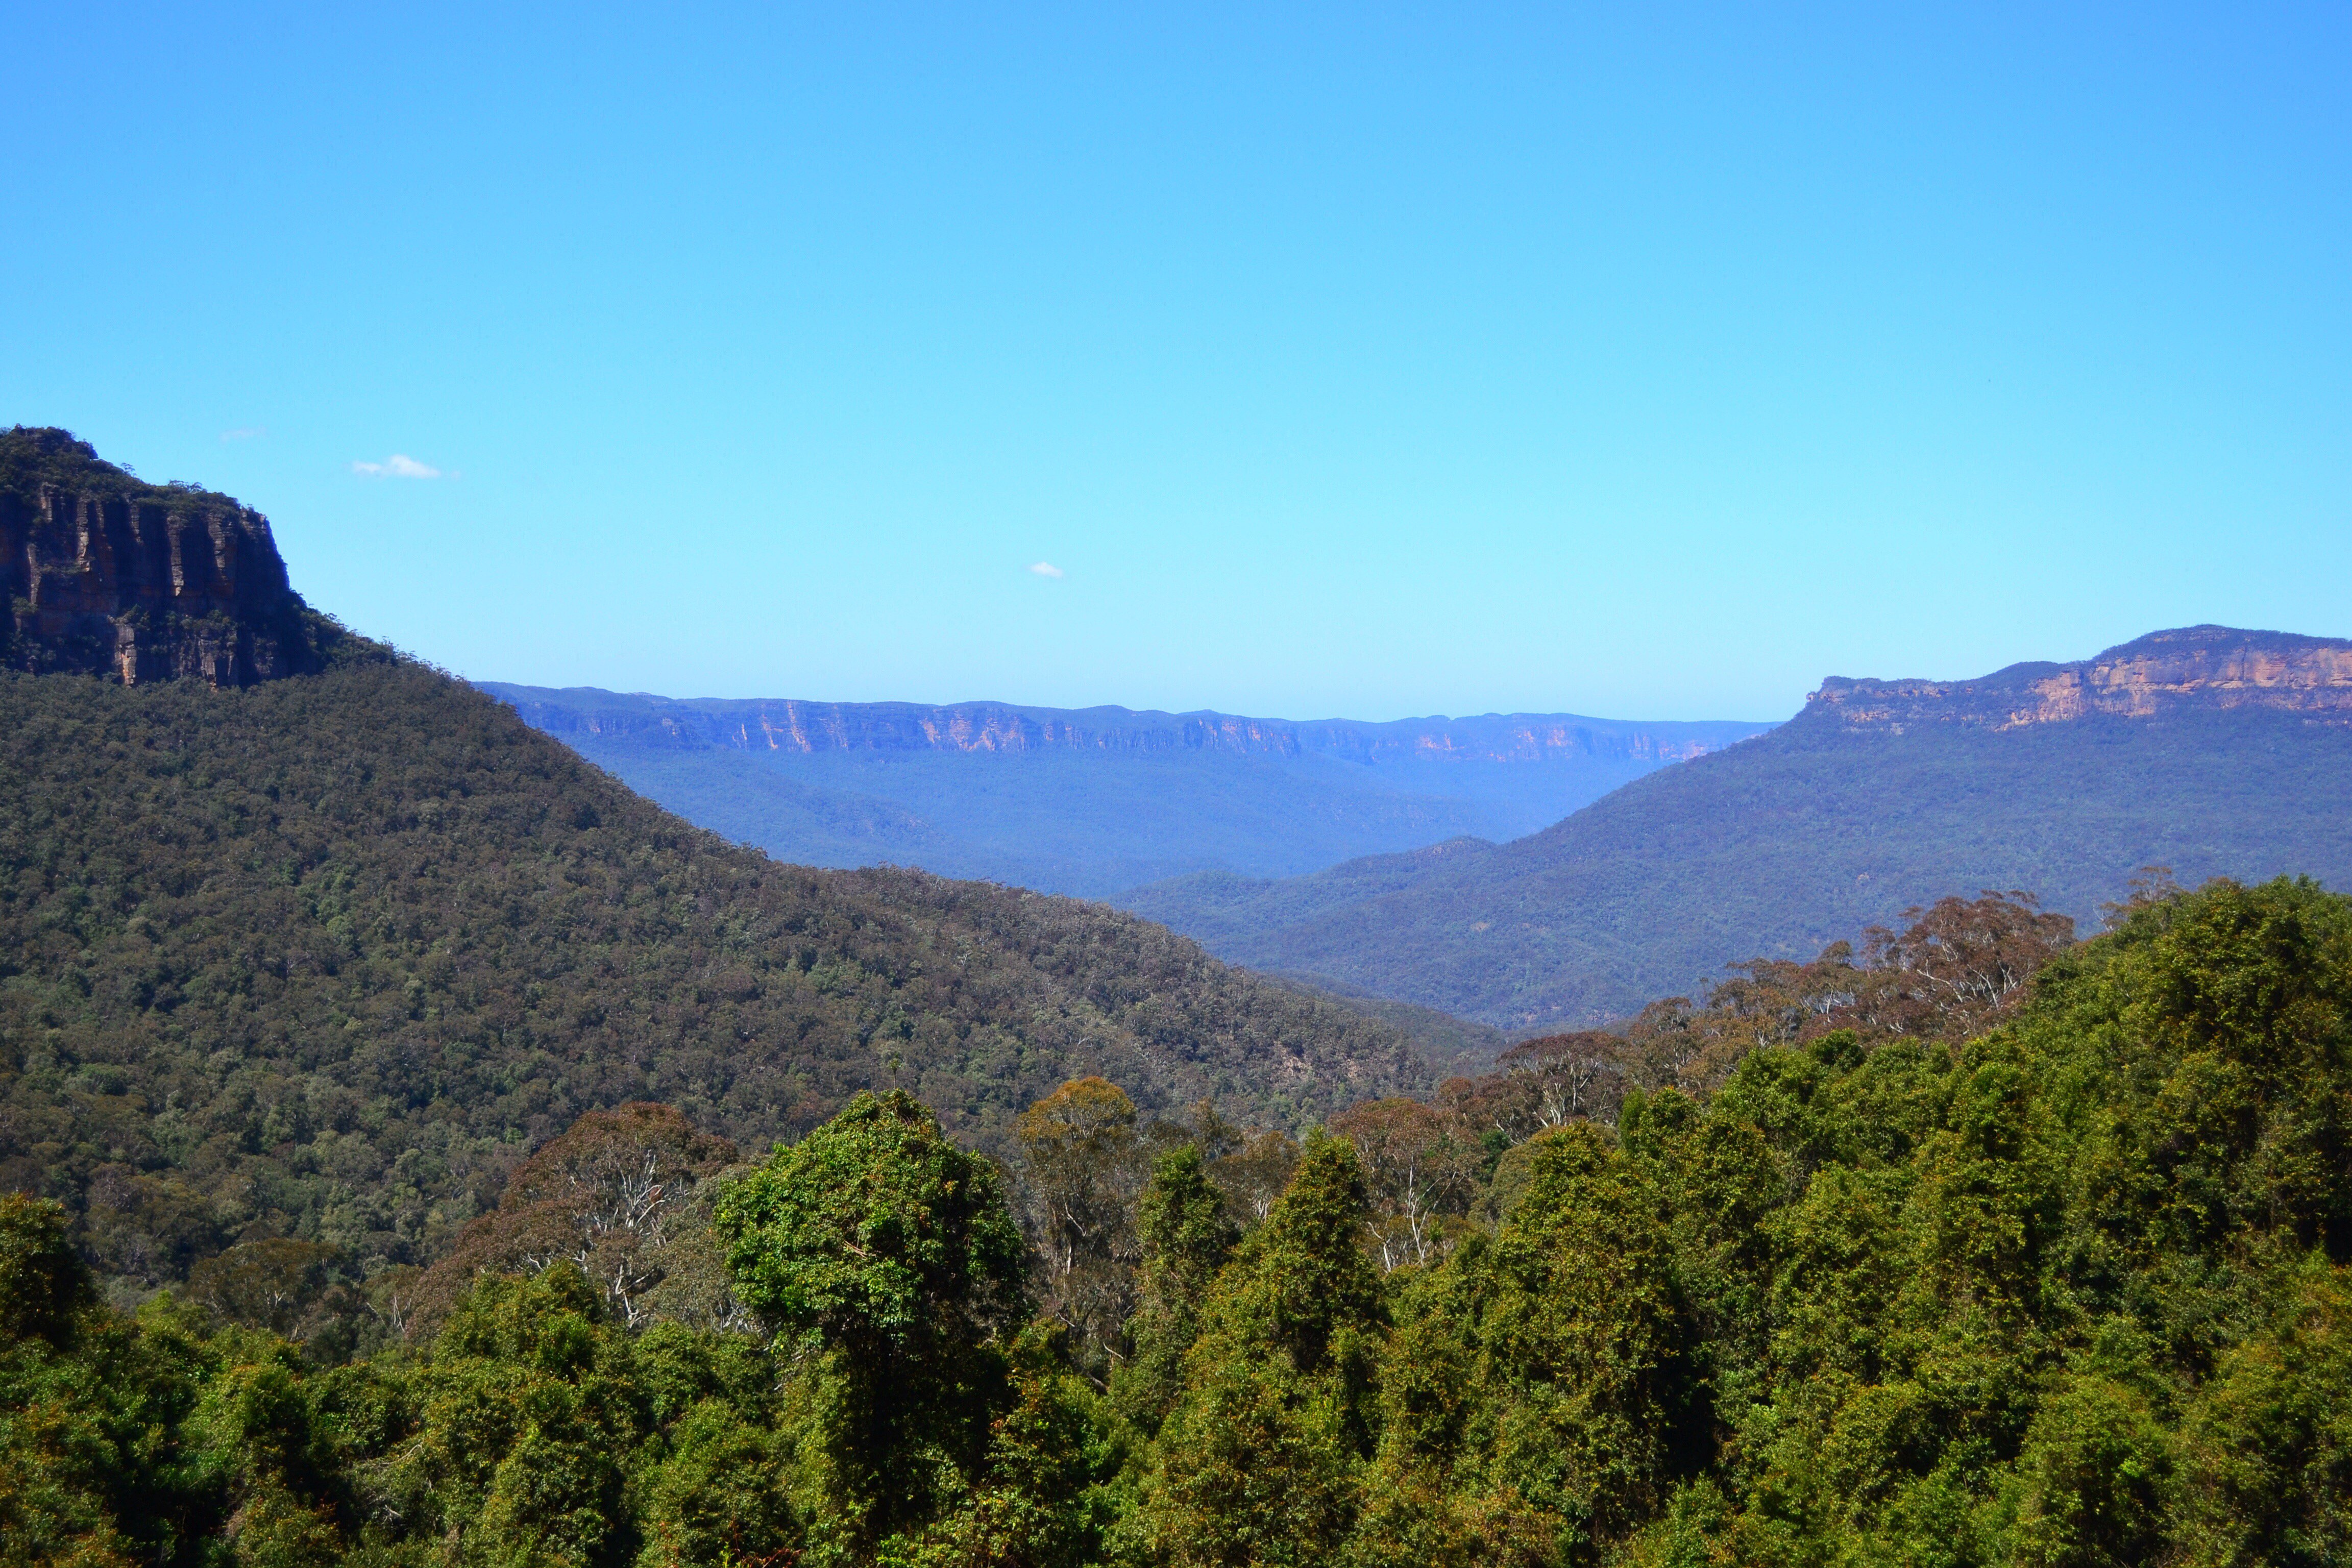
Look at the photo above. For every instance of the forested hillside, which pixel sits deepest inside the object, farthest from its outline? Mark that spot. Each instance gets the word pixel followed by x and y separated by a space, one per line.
pixel 325 958
pixel 1879 796
pixel 1977 1249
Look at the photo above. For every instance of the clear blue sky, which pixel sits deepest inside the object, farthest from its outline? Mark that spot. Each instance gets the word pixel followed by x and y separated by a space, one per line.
pixel 1649 361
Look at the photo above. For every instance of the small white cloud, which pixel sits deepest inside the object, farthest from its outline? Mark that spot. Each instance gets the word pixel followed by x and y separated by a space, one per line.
pixel 1047 569
pixel 244 433
pixel 399 465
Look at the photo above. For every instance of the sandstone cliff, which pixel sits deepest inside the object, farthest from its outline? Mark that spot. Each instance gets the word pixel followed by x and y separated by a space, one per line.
pixel 788 725
pixel 2193 668
pixel 106 575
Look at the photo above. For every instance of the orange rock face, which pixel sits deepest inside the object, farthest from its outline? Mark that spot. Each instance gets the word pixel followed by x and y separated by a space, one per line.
pixel 2194 666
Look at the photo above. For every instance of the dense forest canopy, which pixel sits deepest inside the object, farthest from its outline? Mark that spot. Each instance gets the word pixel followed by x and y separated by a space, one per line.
pixel 1978 1247
pixel 323 959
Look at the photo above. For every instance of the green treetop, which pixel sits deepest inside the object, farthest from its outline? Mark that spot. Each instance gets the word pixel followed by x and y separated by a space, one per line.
pixel 885 1258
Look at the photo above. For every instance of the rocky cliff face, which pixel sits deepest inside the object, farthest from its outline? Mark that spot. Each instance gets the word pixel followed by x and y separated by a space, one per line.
pixel 1520 738
pixel 786 725
pixel 2193 668
pixel 791 726
pixel 106 575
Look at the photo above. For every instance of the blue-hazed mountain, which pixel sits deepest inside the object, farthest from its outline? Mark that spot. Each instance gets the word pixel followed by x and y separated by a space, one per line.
pixel 1095 800
pixel 2211 751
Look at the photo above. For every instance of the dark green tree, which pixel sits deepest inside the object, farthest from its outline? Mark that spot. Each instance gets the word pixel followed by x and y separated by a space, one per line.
pixel 529 1415
pixel 1043 1497
pixel 718 1488
pixel 150 1441
pixel 1186 1238
pixel 1260 1459
pixel 889 1265
pixel 1538 1386
pixel 44 1287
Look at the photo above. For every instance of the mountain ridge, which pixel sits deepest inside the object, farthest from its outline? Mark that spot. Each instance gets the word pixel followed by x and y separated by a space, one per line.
pixel 2215 666
pixel 789 724
pixel 1092 802
pixel 1877 796
pixel 318 947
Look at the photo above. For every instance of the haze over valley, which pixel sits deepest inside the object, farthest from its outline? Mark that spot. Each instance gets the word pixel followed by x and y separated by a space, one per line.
pixel 1096 802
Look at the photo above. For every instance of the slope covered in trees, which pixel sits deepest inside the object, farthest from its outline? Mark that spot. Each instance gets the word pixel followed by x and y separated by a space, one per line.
pixel 1841 819
pixel 324 959
pixel 1985 1250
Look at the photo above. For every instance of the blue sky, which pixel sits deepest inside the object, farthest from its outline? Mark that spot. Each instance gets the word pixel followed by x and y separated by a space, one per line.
pixel 1647 361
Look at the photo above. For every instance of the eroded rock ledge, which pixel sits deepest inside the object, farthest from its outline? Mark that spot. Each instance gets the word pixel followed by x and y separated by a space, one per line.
pixel 2187 668
pixel 106 575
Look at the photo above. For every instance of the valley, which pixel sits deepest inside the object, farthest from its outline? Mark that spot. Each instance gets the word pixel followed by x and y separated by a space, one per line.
pixel 416 1146
pixel 1093 802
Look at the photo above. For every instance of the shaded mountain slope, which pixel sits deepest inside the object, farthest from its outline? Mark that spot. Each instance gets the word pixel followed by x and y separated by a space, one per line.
pixel 2063 780
pixel 1095 801
pixel 327 956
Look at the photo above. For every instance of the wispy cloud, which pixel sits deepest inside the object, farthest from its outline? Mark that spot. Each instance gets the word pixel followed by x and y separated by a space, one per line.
pixel 244 433
pixel 1047 569
pixel 399 465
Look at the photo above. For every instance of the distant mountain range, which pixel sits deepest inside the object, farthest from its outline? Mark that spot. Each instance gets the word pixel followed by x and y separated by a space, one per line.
pixel 2210 750
pixel 1097 800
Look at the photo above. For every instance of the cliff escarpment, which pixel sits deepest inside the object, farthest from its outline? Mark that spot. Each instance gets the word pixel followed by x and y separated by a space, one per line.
pixel 789 726
pixel 2207 668
pixel 1095 800
pixel 106 575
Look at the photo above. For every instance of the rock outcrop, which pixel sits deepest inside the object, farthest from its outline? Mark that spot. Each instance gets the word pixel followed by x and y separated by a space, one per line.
pixel 2192 667
pixel 106 575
